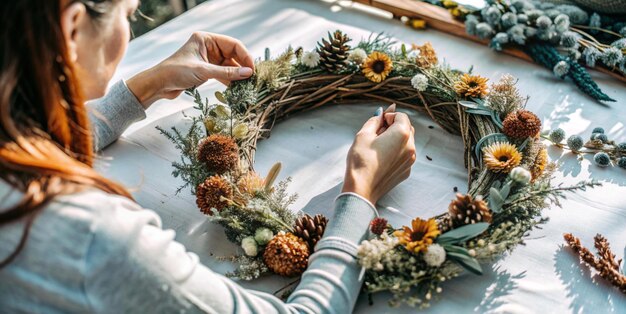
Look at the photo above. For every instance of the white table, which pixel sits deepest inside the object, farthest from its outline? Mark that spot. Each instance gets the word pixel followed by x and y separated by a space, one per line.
pixel 542 276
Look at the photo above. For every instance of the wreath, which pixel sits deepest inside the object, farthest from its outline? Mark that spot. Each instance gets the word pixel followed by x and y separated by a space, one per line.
pixel 508 169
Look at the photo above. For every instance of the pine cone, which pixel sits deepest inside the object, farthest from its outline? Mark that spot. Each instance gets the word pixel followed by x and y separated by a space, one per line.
pixel 310 229
pixel 521 124
pixel 286 255
pixel 334 51
pixel 464 210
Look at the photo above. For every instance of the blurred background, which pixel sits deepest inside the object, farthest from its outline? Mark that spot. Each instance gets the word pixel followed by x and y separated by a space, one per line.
pixel 159 12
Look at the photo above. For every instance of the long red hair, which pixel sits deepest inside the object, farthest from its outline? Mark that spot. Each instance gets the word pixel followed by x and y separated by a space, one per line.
pixel 46 146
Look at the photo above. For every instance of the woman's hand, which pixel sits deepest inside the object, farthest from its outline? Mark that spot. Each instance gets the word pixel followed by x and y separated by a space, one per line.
pixel 381 156
pixel 204 56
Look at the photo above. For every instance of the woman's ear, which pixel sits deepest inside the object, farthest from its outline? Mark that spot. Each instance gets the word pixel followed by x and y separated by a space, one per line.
pixel 72 23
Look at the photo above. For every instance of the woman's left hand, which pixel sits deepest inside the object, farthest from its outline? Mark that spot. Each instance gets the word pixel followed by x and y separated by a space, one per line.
pixel 204 56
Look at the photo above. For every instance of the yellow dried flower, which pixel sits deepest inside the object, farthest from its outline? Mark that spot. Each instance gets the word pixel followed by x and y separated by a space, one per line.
pixel 377 66
pixel 538 167
pixel 501 157
pixel 427 56
pixel 421 234
pixel 471 86
pixel 250 183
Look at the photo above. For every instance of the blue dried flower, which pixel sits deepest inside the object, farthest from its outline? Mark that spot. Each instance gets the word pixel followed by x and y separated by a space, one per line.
pixel 470 25
pixel 561 22
pixel 602 159
pixel 543 22
pixel 491 15
pixel 599 137
pixel 621 147
pixel 621 162
pixel 533 15
pixel 569 39
pixel 619 44
pixel 591 55
pixel 594 22
pixel 530 32
pixel 557 135
pixel 552 13
pixel 575 142
pixel 516 34
pixel 483 30
pixel 622 31
pixel 573 53
pixel 576 14
pixel 509 20
pixel 561 69
pixel 612 56
pixel 522 5
pixel 523 19
pixel 499 40
pixel 598 130
pixel 548 35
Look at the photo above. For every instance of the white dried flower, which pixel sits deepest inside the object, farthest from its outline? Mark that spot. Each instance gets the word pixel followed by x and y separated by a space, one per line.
pixel 419 82
pixel 372 252
pixel 435 255
pixel 311 59
pixel 561 68
pixel 263 236
pixel 357 56
pixel 249 246
pixel 520 175
pixel 240 130
pixel 472 252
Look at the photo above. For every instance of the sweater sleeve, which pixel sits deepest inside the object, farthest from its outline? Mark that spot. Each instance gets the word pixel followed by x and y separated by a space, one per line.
pixel 133 264
pixel 112 114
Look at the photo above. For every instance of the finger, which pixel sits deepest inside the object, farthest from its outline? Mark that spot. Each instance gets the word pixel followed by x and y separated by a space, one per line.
pixel 390 118
pixel 227 73
pixel 232 48
pixel 400 120
pixel 372 125
pixel 391 108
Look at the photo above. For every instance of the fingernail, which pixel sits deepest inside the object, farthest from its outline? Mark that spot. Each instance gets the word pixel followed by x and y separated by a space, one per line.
pixel 244 71
pixel 378 112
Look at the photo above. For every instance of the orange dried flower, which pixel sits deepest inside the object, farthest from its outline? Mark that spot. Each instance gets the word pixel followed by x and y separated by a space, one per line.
pixel 521 124
pixel 212 194
pixel 219 153
pixel 471 86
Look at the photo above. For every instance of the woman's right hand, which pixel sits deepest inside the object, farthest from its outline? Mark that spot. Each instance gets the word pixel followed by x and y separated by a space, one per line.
pixel 381 156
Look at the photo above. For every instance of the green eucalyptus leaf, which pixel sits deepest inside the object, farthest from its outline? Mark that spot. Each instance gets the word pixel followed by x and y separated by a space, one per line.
pixel 462 234
pixel 220 97
pixel 479 101
pixel 496 184
pixel 468 104
pixel 482 112
pixel 467 262
pixel 506 190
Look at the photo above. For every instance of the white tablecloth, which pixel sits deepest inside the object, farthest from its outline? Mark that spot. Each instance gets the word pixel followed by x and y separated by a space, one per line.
pixel 542 276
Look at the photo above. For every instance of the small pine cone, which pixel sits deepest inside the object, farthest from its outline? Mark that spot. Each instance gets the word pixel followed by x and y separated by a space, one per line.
pixel 444 223
pixel 286 255
pixel 521 124
pixel 219 153
pixel 464 210
pixel 378 225
pixel 310 229
pixel 211 193
pixel 334 51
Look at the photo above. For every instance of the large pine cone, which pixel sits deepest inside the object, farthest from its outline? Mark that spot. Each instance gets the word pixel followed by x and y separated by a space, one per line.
pixel 464 211
pixel 310 229
pixel 286 255
pixel 334 51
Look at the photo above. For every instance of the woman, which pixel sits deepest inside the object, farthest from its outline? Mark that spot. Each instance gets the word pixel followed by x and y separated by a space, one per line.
pixel 73 241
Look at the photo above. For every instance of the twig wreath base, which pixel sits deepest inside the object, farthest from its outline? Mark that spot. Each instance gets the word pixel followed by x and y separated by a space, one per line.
pixel 508 171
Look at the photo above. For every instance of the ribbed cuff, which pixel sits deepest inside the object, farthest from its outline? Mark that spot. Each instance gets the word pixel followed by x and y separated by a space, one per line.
pixel 351 218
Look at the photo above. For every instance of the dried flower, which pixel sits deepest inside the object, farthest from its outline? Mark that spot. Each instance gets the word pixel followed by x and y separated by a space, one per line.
pixel 471 86
pixel 518 34
pixel 249 246
pixel 562 23
pixel 219 153
pixel 435 255
pixel 561 69
pixel 591 54
pixel 484 30
pixel 541 161
pixel 427 56
pixel 311 59
pixel 621 147
pixel 509 19
pixel 598 130
pixel 602 159
pixel 371 252
pixel 378 225
pixel 501 157
pixel 357 56
pixel 213 193
pixel 520 175
pixel 222 111
pixel 569 39
pixel 470 25
pixel 594 23
pixel 521 124
pixel 263 235
pixel 557 135
pixel 240 131
pixel 504 96
pixel 286 255
pixel 420 236
pixel 575 142
pixel 543 22
pixel 419 82
pixel 377 66
pixel 491 15
pixel 599 137
pixel 621 162
pixel 612 56
pixel 250 183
